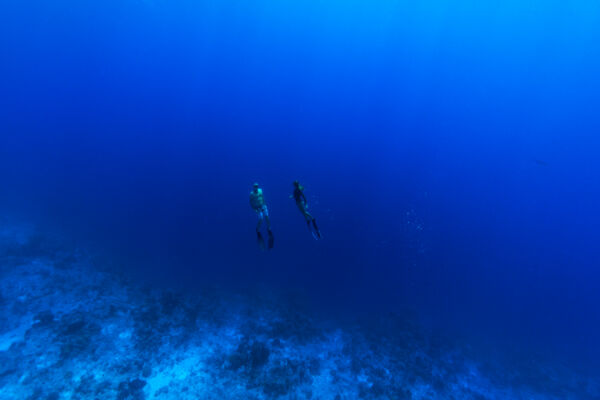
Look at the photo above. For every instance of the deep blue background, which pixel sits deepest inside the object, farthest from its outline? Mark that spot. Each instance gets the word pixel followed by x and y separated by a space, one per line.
pixel 449 149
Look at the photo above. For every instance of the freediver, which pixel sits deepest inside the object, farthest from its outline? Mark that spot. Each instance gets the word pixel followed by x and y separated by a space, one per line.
pixel 257 202
pixel 302 205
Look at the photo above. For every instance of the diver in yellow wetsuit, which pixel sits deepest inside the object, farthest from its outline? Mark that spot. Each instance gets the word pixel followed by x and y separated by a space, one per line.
pixel 257 202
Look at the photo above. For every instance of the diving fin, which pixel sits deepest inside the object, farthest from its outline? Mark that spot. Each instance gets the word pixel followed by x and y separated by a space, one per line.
pixel 260 241
pixel 316 231
pixel 271 240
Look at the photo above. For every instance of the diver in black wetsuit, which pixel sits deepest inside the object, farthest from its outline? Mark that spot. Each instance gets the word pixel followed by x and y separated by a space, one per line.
pixel 302 204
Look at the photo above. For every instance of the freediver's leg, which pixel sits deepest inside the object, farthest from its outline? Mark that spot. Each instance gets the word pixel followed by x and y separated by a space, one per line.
pixel 259 237
pixel 310 219
pixel 258 225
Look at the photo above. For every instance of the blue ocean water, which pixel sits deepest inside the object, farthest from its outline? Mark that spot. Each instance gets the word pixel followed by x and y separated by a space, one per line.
pixel 449 152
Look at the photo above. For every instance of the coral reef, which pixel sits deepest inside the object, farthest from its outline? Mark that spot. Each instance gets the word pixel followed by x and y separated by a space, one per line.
pixel 71 330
